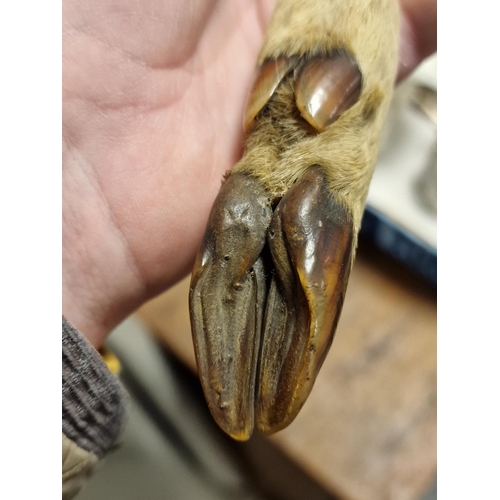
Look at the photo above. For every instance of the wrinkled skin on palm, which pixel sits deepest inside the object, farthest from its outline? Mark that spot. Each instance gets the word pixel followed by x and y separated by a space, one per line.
pixel 271 274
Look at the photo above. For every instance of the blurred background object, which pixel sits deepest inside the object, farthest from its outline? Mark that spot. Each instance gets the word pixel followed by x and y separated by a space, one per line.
pixel 171 447
pixel 368 430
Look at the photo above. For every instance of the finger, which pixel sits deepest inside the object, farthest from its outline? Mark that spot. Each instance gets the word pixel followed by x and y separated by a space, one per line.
pixel 418 34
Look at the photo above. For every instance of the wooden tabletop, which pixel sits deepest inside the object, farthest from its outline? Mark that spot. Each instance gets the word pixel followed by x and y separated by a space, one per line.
pixel 368 429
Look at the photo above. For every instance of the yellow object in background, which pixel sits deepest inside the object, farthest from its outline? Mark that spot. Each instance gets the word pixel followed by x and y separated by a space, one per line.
pixel 112 362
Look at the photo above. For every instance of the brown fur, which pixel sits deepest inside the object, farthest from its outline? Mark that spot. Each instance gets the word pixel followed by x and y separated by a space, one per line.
pixel 282 145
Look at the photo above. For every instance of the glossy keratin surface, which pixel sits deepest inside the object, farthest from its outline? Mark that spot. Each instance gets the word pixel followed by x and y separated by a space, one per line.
pixel 269 76
pixel 227 301
pixel 267 291
pixel 326 88
pixel 310 238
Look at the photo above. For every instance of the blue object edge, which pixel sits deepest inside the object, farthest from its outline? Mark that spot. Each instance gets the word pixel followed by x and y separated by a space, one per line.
pixel 400 244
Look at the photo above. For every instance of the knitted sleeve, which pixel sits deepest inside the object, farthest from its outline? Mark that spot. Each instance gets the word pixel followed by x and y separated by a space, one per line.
pixel 93 408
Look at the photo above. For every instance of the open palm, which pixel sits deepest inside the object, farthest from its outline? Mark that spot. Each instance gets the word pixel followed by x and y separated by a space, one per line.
pixel 153 99
pixel 154 92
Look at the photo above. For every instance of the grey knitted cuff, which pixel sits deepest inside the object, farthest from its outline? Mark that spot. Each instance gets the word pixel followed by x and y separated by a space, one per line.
pixel 93 400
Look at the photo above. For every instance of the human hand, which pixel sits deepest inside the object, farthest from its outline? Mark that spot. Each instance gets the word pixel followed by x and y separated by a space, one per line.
pixel 153 99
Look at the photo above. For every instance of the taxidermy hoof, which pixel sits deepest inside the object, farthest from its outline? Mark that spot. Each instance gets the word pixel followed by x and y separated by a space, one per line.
pixel 266 295
pixel 270 276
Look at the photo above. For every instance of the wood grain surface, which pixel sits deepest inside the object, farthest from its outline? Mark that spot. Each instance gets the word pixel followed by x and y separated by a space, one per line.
pixel 368 430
